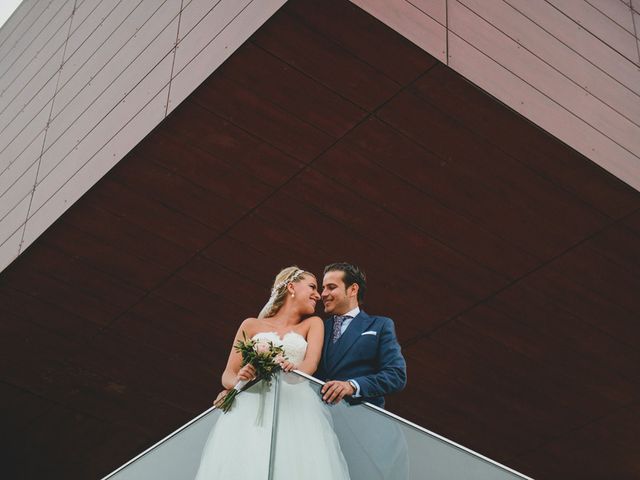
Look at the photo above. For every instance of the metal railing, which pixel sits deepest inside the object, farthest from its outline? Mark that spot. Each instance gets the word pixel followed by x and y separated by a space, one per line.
pixel 375 442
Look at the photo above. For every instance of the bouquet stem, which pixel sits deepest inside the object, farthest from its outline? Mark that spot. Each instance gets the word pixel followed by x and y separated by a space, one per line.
pixel 226 402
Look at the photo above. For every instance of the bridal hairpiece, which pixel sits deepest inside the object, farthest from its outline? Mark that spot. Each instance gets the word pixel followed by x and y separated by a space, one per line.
pixel 296 275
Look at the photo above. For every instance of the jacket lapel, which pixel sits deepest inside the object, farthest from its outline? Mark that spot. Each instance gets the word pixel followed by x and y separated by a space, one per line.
pixel 358 325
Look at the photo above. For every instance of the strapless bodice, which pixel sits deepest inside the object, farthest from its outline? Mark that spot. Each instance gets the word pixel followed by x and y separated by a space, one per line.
pixel 294 344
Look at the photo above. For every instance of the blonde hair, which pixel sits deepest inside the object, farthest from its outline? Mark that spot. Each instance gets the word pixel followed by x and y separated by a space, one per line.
pixel 279 289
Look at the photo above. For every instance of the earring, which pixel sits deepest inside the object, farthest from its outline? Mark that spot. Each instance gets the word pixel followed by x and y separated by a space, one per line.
pixel 293 295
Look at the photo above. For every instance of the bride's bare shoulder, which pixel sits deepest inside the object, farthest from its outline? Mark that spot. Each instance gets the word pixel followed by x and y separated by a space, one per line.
pixel 249 325
pixel 315 320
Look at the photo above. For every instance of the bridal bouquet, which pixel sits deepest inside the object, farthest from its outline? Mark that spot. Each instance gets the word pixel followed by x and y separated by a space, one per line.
pixel 265 358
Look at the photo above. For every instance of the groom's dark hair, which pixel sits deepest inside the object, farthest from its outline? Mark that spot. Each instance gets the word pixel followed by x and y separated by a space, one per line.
pixel 352 274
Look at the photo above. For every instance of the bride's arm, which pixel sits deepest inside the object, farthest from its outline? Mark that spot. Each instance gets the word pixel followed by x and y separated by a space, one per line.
pixel 234 370
pixel 315 337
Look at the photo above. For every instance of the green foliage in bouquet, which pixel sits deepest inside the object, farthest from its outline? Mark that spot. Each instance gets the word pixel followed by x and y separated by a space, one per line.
pixel 264 356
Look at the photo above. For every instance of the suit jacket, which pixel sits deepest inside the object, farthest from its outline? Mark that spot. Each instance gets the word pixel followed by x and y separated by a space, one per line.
pixel 367 352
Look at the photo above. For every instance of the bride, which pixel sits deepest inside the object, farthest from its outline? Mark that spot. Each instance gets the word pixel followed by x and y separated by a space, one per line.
pixel 306 446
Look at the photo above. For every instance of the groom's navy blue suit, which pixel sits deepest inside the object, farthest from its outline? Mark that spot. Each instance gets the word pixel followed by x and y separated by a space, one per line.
pixel 367 352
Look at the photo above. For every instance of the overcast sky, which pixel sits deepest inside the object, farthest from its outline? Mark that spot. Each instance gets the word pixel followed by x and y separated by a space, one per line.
pixel 6 9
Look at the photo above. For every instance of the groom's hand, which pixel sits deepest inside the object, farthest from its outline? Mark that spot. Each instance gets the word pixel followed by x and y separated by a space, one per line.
pixel 335 390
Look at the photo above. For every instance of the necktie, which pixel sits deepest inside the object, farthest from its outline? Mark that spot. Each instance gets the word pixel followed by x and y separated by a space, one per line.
pixel 337 326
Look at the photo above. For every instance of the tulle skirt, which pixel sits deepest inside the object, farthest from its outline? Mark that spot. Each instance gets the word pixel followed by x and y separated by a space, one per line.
pixel 305 447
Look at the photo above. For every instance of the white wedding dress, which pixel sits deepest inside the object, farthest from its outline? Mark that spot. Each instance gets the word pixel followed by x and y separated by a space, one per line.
pixel 306 447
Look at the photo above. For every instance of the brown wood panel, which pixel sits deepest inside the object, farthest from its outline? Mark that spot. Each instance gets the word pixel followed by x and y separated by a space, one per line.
pixel 82 278
pixel 194 125
pixel 162 334
pixel 366 38
pixel 593 271
pixel 31 354
pixel 551 354
pixel 225 316
pixel 35 456
pixel 568 337
pixel 268 240
pixel 169 327
pixel 270 78
pixel 452 186
pixel 112 356
pixel 112 229
pixel 589 305
pixel 152 215
pixel 227 283
pixel 183 196
pixel 261 118
pixel 74 432
pixel 277 242
pixel 252 260
pixel 485 116
pixel 446 266
pixel 323 60
pixel 352 168
pixel 18 409
pixel 129 269
pixel 178 319
pixel 633 221
pixel 221 176
pixel 517 390
pixel 619 245
pixel 528 198
pixel 45 314
pixel 63 295
pixel 106 399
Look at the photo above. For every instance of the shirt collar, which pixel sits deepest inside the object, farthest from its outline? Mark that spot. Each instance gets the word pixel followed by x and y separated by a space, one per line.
pixel 353 313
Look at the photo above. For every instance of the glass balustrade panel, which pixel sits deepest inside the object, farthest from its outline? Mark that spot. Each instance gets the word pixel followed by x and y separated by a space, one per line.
pixel 285 426
pixel 375 444
pixel 201 449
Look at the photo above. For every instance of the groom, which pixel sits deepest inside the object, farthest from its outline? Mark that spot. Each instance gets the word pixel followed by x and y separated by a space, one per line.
pixel 361 356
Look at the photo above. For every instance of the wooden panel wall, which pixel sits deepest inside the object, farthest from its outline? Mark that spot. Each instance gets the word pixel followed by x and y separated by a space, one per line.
pixel 571 67
pixel 83 81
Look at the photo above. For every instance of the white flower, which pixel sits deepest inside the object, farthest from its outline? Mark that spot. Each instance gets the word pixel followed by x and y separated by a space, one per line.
pixel 261 347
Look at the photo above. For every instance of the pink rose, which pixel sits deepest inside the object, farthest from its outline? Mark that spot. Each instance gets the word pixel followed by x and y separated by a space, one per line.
pixel 262 347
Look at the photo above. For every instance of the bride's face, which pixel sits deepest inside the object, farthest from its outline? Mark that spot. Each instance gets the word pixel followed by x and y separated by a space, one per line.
pixel 306 294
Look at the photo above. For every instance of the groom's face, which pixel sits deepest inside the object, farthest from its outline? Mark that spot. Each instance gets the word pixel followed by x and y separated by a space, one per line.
pixel 335 295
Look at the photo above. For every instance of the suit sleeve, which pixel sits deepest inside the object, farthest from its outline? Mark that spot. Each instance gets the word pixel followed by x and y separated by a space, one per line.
pixel 391 375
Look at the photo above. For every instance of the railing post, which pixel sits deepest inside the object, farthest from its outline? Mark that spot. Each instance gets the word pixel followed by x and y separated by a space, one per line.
pixel 274 426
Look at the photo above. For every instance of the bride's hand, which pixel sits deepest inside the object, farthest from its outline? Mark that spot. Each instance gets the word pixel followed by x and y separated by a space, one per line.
pixel 286 365
pixel 220 396
pixel 247 373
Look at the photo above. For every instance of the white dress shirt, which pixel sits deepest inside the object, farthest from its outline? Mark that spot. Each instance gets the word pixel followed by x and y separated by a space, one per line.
pixel 351 313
